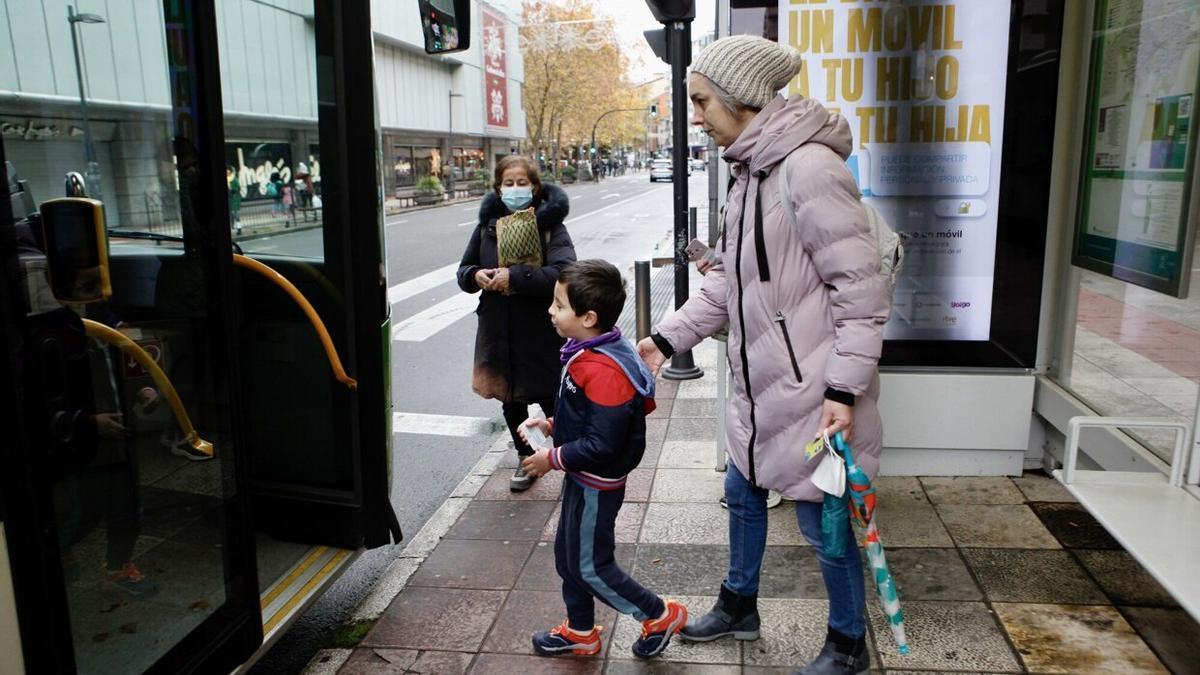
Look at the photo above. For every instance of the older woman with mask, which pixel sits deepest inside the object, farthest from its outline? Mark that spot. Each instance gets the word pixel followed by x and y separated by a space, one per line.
pixel 516 347
pixel 806 307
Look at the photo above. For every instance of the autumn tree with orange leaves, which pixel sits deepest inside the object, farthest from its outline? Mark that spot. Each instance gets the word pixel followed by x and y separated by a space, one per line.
pixel 574 73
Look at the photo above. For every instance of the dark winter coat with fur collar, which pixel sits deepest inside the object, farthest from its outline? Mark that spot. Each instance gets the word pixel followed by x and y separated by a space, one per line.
pixel 516 347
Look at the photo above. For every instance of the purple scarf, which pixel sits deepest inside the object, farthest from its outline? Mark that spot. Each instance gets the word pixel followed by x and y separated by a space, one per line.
pixel 572 346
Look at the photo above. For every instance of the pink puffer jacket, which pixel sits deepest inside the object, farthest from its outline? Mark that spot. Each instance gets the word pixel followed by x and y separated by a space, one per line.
pixel 806 305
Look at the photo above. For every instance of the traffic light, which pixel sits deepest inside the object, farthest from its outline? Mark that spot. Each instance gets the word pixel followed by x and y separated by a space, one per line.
pixel 667 11
pixel 654 110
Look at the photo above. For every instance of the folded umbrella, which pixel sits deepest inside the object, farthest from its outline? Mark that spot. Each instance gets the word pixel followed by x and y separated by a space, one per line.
pixel 862 513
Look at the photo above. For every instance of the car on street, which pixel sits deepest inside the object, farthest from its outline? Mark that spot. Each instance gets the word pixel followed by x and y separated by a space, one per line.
pixel 660 169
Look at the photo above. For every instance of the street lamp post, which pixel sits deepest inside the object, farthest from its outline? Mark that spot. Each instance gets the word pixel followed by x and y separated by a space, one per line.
pixel 450 142
pixel 89 147
pixel 596 156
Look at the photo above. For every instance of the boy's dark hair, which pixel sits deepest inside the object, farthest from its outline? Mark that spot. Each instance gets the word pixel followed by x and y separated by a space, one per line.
pixel 597 286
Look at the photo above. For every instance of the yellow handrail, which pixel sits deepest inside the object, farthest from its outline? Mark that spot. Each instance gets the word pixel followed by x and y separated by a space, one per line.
pixel 118 339
pixel 279 280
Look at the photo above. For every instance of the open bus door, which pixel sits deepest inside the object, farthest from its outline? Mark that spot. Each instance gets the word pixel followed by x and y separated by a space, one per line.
pixel 182 469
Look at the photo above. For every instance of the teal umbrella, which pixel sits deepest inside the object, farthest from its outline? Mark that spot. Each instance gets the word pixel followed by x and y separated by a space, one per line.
pixel 862 513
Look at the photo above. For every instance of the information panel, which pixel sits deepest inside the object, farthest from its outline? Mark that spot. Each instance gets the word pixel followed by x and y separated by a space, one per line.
pixel 922 85
pixel 1137 215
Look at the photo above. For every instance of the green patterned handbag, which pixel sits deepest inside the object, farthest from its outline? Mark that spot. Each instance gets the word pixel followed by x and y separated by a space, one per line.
pixel 517 241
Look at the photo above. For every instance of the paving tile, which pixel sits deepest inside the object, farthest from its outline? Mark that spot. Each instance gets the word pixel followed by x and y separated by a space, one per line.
pixel 944 636
pixel 899 489
pixel 507 664
pixel 662 409
pixel 1172 633
pixel 1124 579
pixel 629 629
pixel 665 389
pixel 791 572
pixel 971 490
pixel 473 563
pixel 629 523
pixel 688 455
pixel 681 569
pixel 1041 488
pixel 656 432
pixel 367 661
pixel 1076 639
pixel 637 485
pixel 704 387
pixel 1013 575
pixel 540 573
pixel 906 522
pixel 1072 525
pixel 695 407
pixel 688 485
pixel 685 524
pixel 436 618
pixel 502 520
pixel 928 574
pixel 993 526
pixel 525 612
pixel 793 632
pixel 692 429
pixel 659 667
pixel 546 488
pixel 782 528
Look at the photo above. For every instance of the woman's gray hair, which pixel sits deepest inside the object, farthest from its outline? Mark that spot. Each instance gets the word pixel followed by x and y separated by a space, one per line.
pixel 726 99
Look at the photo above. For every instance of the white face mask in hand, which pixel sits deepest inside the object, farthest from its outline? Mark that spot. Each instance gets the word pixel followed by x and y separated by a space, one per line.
pixel 830 474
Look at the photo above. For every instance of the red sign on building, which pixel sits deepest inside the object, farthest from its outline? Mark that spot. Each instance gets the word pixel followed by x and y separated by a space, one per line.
pixel 495 70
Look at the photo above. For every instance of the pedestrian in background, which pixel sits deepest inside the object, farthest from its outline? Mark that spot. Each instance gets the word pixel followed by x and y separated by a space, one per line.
pixel 234 186
pixel 806 305
pixel 516 347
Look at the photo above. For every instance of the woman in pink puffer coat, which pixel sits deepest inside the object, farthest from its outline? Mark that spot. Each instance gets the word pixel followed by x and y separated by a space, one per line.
pixel 805 305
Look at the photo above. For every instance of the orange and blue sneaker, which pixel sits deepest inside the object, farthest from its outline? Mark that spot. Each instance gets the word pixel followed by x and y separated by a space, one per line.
pixel 131 580
pixel 562 640
pixel 656 633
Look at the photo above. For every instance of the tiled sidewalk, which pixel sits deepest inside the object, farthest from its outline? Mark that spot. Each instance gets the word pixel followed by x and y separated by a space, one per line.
pixel 996 575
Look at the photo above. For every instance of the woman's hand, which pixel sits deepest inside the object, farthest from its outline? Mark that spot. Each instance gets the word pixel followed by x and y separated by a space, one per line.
pixel 500 281
pixel 651 355
pixel 703 265
pixel 110 425
pixel 836 417
pixel 483 279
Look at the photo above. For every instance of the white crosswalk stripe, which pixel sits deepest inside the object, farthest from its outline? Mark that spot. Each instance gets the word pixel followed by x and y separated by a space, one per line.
pixel 422 283
pixel 426 323
pixel 444 425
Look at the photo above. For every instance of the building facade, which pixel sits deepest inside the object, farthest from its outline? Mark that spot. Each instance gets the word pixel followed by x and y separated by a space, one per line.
pixel 270 97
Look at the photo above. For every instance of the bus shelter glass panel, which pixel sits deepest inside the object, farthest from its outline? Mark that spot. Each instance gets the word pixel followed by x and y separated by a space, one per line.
pixel 142 475
pixel 272 152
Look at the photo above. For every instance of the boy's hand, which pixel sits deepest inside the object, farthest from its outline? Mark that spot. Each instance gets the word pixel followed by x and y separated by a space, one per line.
pixel 541 424
pixel 537 464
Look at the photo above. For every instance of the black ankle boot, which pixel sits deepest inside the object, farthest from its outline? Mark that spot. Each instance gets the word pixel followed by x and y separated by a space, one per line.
pixel 734 614
pixel 841 655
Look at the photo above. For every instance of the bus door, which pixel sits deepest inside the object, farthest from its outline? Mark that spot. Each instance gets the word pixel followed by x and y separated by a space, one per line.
pixel 175 437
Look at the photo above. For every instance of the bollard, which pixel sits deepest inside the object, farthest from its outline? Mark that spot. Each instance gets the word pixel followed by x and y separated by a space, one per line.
pixel 641 297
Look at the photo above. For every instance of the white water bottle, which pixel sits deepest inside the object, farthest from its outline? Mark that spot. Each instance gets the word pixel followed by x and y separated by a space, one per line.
pixel 533 433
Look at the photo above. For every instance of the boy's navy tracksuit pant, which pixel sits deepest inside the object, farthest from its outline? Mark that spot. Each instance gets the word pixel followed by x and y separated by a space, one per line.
pixel 584 553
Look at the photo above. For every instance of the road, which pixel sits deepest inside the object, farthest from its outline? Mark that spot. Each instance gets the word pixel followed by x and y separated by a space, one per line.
pixel 433 327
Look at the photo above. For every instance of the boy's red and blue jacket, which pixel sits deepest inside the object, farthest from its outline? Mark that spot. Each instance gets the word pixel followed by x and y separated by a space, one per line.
pixel 599 423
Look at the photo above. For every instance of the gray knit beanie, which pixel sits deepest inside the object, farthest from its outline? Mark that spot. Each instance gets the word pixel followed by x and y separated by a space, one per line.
pixel 751 69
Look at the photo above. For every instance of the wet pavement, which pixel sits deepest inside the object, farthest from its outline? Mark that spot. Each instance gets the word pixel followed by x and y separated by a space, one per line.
pixel 996 575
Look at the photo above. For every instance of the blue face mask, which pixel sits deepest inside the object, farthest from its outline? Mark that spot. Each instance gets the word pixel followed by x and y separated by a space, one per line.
pixel 516 198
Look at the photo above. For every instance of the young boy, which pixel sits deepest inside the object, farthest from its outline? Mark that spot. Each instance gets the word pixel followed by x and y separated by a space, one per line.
pixel 599 428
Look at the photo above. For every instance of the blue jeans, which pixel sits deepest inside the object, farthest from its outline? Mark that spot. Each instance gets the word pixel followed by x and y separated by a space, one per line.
pixel 843 574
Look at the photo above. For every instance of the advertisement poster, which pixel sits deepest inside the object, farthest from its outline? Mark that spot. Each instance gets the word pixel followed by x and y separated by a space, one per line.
pixel 495 70
pixel 255 162
pixel 922 86
pixel 1134 219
